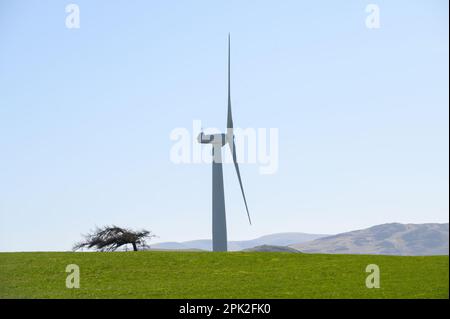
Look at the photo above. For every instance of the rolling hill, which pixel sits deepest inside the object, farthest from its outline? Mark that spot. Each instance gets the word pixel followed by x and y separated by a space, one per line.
pixel 272 249
pixel 386 239
pixel 279 239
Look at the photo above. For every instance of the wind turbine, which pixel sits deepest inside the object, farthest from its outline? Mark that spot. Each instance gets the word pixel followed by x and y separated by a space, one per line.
pixel 219 223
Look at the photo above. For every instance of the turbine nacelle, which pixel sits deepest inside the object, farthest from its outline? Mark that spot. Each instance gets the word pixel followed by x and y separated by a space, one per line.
pixel 215 139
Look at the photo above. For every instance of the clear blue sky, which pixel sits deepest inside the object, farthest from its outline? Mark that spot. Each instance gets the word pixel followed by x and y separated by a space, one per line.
pixel 85 116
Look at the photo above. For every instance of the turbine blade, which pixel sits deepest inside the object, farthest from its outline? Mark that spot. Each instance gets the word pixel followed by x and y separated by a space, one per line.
pixel 236 165
pixel 229 117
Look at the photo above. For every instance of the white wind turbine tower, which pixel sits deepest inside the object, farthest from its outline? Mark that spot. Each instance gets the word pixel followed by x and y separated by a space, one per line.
pixel 219 223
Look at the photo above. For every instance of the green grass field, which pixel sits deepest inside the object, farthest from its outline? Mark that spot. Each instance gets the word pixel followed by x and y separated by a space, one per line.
pixel 220 275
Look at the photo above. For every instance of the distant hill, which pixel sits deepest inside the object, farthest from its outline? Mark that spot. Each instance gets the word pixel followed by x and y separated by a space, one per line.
pixel 272 249
pixel 386 239
pixel 279 239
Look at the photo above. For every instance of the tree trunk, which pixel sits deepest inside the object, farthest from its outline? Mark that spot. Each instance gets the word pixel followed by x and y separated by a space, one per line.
pixel 134 246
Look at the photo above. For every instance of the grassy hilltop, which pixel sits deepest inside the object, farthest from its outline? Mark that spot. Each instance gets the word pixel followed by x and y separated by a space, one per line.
pixel 156 274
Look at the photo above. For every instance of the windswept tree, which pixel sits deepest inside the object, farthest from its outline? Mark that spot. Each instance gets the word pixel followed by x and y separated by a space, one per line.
pixel 110 238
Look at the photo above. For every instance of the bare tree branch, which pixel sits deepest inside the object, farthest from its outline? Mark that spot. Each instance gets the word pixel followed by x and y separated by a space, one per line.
pixel 110 238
